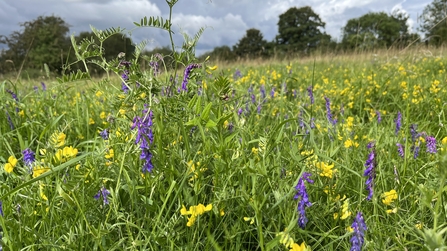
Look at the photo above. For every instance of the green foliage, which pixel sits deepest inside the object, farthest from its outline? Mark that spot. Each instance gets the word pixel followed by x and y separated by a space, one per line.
pixel 376 30
pixel 300 30
pixel 42 41
pixel 433 22
pixel 252 45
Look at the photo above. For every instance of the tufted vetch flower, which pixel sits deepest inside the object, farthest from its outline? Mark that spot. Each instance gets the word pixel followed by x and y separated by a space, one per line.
pixel 302 195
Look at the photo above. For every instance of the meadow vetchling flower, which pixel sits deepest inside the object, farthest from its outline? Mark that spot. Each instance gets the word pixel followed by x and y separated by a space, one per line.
pixel 103 192
pixel 370 171
pixel 12 162
pixel 195 211
pixel 304 198
pixel 431 144
pixel 358 236
pixel 389 197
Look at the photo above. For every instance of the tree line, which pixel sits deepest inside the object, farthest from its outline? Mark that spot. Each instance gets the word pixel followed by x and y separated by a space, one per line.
pixel 45 40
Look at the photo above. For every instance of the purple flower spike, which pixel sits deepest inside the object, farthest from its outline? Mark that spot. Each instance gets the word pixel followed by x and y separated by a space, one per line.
pixel 186 74
pixel 398 122
pixel 370 172
pixel 379 117
pixel 329 113
pixel 311 94
pixel 431 144
pixel 304 198
pixel 145 138
pixel 104 134
pixel 103 192
pixel 28 156
pixel 358 236
pixel 400 150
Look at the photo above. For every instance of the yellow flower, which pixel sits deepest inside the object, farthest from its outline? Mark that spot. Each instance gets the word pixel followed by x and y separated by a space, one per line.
pixel 38 170
pixel 389 197
pixel 98 94
pixel 195 211
pixel 22 113
pixel 255 151
pixel 66 154
pixel 326 169
pixel 286 240
pixel 345 210
pixel 221 212
pixel 391 211
pixel 296 247
pixel 110 154
pixel 418 226
pixel 57 139
pixel 91 121
pixel 12 162
pixel 251 219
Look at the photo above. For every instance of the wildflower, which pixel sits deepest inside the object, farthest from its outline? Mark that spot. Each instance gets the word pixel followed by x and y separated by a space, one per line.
pixel 431 144
pixel 345 213
pixel 311 94
pixel 416 152
pixel 400 150
pixel 326 170
pixel 328 112
pixel 186 74
pixel 251 219
pixel 359 228
pixel 398 122
pixel 44 87
pixel 237 74
pixel 110 154
pixel 39 170
pixel 263 95
pixel 1 209
pixel 145 138
pixel 389 197
pixel 195 211
pixel 104 193
pixel 11 124
pixel 285 239
pixel 413 132
pixel 379 117
pixel 12 162
pixel 272 92
pixel 57 139
pixel 13 95
pixel 304 198
pixel 296 247
pixel 28 156
pixel 370 172
pixel 104 134
pixel 62 155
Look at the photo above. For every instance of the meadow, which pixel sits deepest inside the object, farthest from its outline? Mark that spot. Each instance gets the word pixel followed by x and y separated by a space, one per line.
pixel 303 155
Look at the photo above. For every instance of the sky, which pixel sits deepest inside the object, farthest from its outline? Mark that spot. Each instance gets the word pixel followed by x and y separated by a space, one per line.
pixel 226 21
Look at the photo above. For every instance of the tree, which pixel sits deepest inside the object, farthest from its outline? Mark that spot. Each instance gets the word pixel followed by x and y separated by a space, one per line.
pixel 434 22
pixel 251 45
pixel 376 29
pixel 299 30
pixel 42 41
pixel 222 53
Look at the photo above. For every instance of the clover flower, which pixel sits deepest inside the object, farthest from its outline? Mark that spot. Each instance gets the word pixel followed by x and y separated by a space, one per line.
pixel 370 171
pixel 103 192
pixel 304 198
pixel 186 74
pixel 358 236
pixel 431 144
pixel 398 122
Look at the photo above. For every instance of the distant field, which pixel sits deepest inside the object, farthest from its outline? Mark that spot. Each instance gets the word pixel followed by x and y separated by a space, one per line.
pixel 273 155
